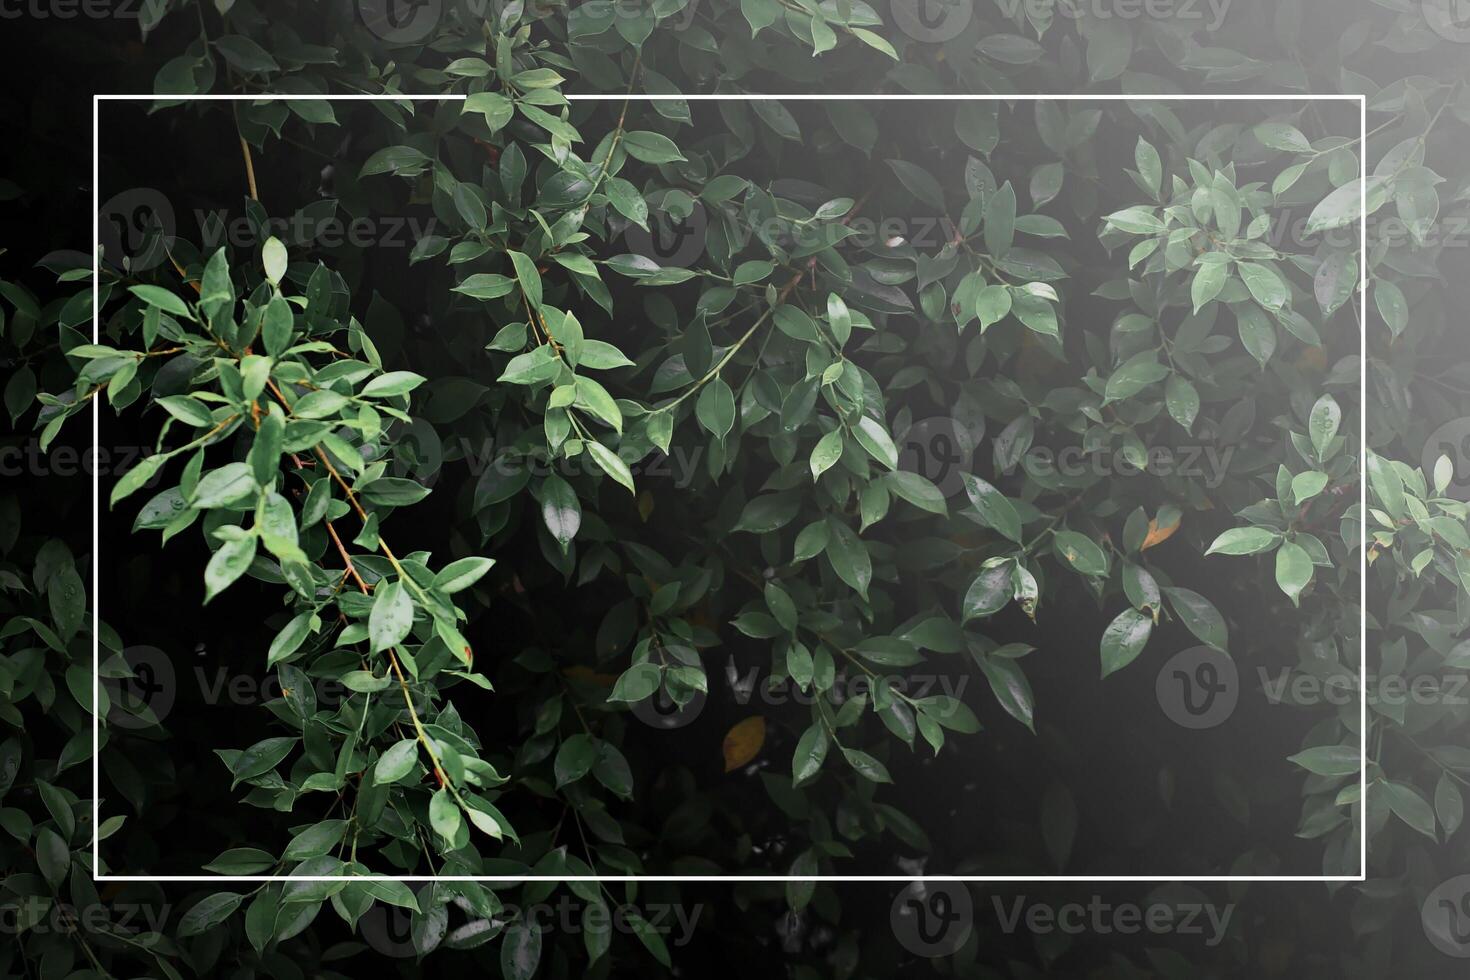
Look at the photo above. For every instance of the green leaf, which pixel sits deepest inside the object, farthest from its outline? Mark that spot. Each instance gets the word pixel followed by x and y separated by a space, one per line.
pixel 485 286
pixel 227 485
pixel 990 592
pixel 1257 332
pixel 1410 807
pixel 612 464
pixel 760 14
pixel 533 367
pixel 1081 552
pixel 1208 282
pixel 397 762
pixel 1124 639
pixel 528 277
pixel 867 766
pixel 1244 541
pixel 1283 136
pixel 651 147
pixel 245 54
pixel 1182 400
pixel 593 397
pixel 1322 424
pixel 315 840
pixel 1009 685
pixel 1265 285
pixel 849 557
pixel 650 938
pixel 637 682
pixel 53 856
pixel 920 182
pixel 444 816
pixel 574 759
pixel 392 383
pixel 1293 570
pixel 715 408
pixel 873 437
pixel 227 564
pixel 803 871
pixel 1200 616
pixel 811 752
pixel 1344 206
pixel 1387 484
pixel 495 107
pixel 825 453
pixel 460 575
pixel 241 861
pixel 262 757
pixel 1000 221
pixel 918 490
pixel 273 257
pixel 1136 221
pixel 289 639
pixel 1134 375
pixel 1329 760
pixel 1305 486
pixel 520 950
pixel 598 355
pixel 1392 305
pixel 391 618
pixel 992 304
pixel 996 512
pixel 560 509
pixel 1150 167
pixel 209 912
pixel 406 161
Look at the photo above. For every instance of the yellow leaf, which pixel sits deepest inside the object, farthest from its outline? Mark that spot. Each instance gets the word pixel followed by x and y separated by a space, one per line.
pixel 1158 535
pixel 743 742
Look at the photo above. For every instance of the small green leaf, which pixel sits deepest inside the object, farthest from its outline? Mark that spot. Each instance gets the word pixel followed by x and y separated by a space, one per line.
pixel 1329 760
pixel 1244 541
pixel 826 452
pixel 612 464
pixel 1124 639
pixel 227 564
pixel 1293 570
pixel 996 512
pixel 273 256
pixel 391 617
pixel 560 509
pixel 651 147
pixel 637 683
pixel 397 762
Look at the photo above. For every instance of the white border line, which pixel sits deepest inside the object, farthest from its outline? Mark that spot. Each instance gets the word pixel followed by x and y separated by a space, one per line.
pixel 1363 660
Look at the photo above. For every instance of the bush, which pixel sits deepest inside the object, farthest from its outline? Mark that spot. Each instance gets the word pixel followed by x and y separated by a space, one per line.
pixel 801 416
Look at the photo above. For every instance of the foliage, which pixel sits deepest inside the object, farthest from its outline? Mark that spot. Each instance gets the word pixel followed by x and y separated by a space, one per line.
pixel 860 269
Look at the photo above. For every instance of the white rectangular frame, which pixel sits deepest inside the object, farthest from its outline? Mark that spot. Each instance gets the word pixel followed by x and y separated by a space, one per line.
pixel 1363 658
